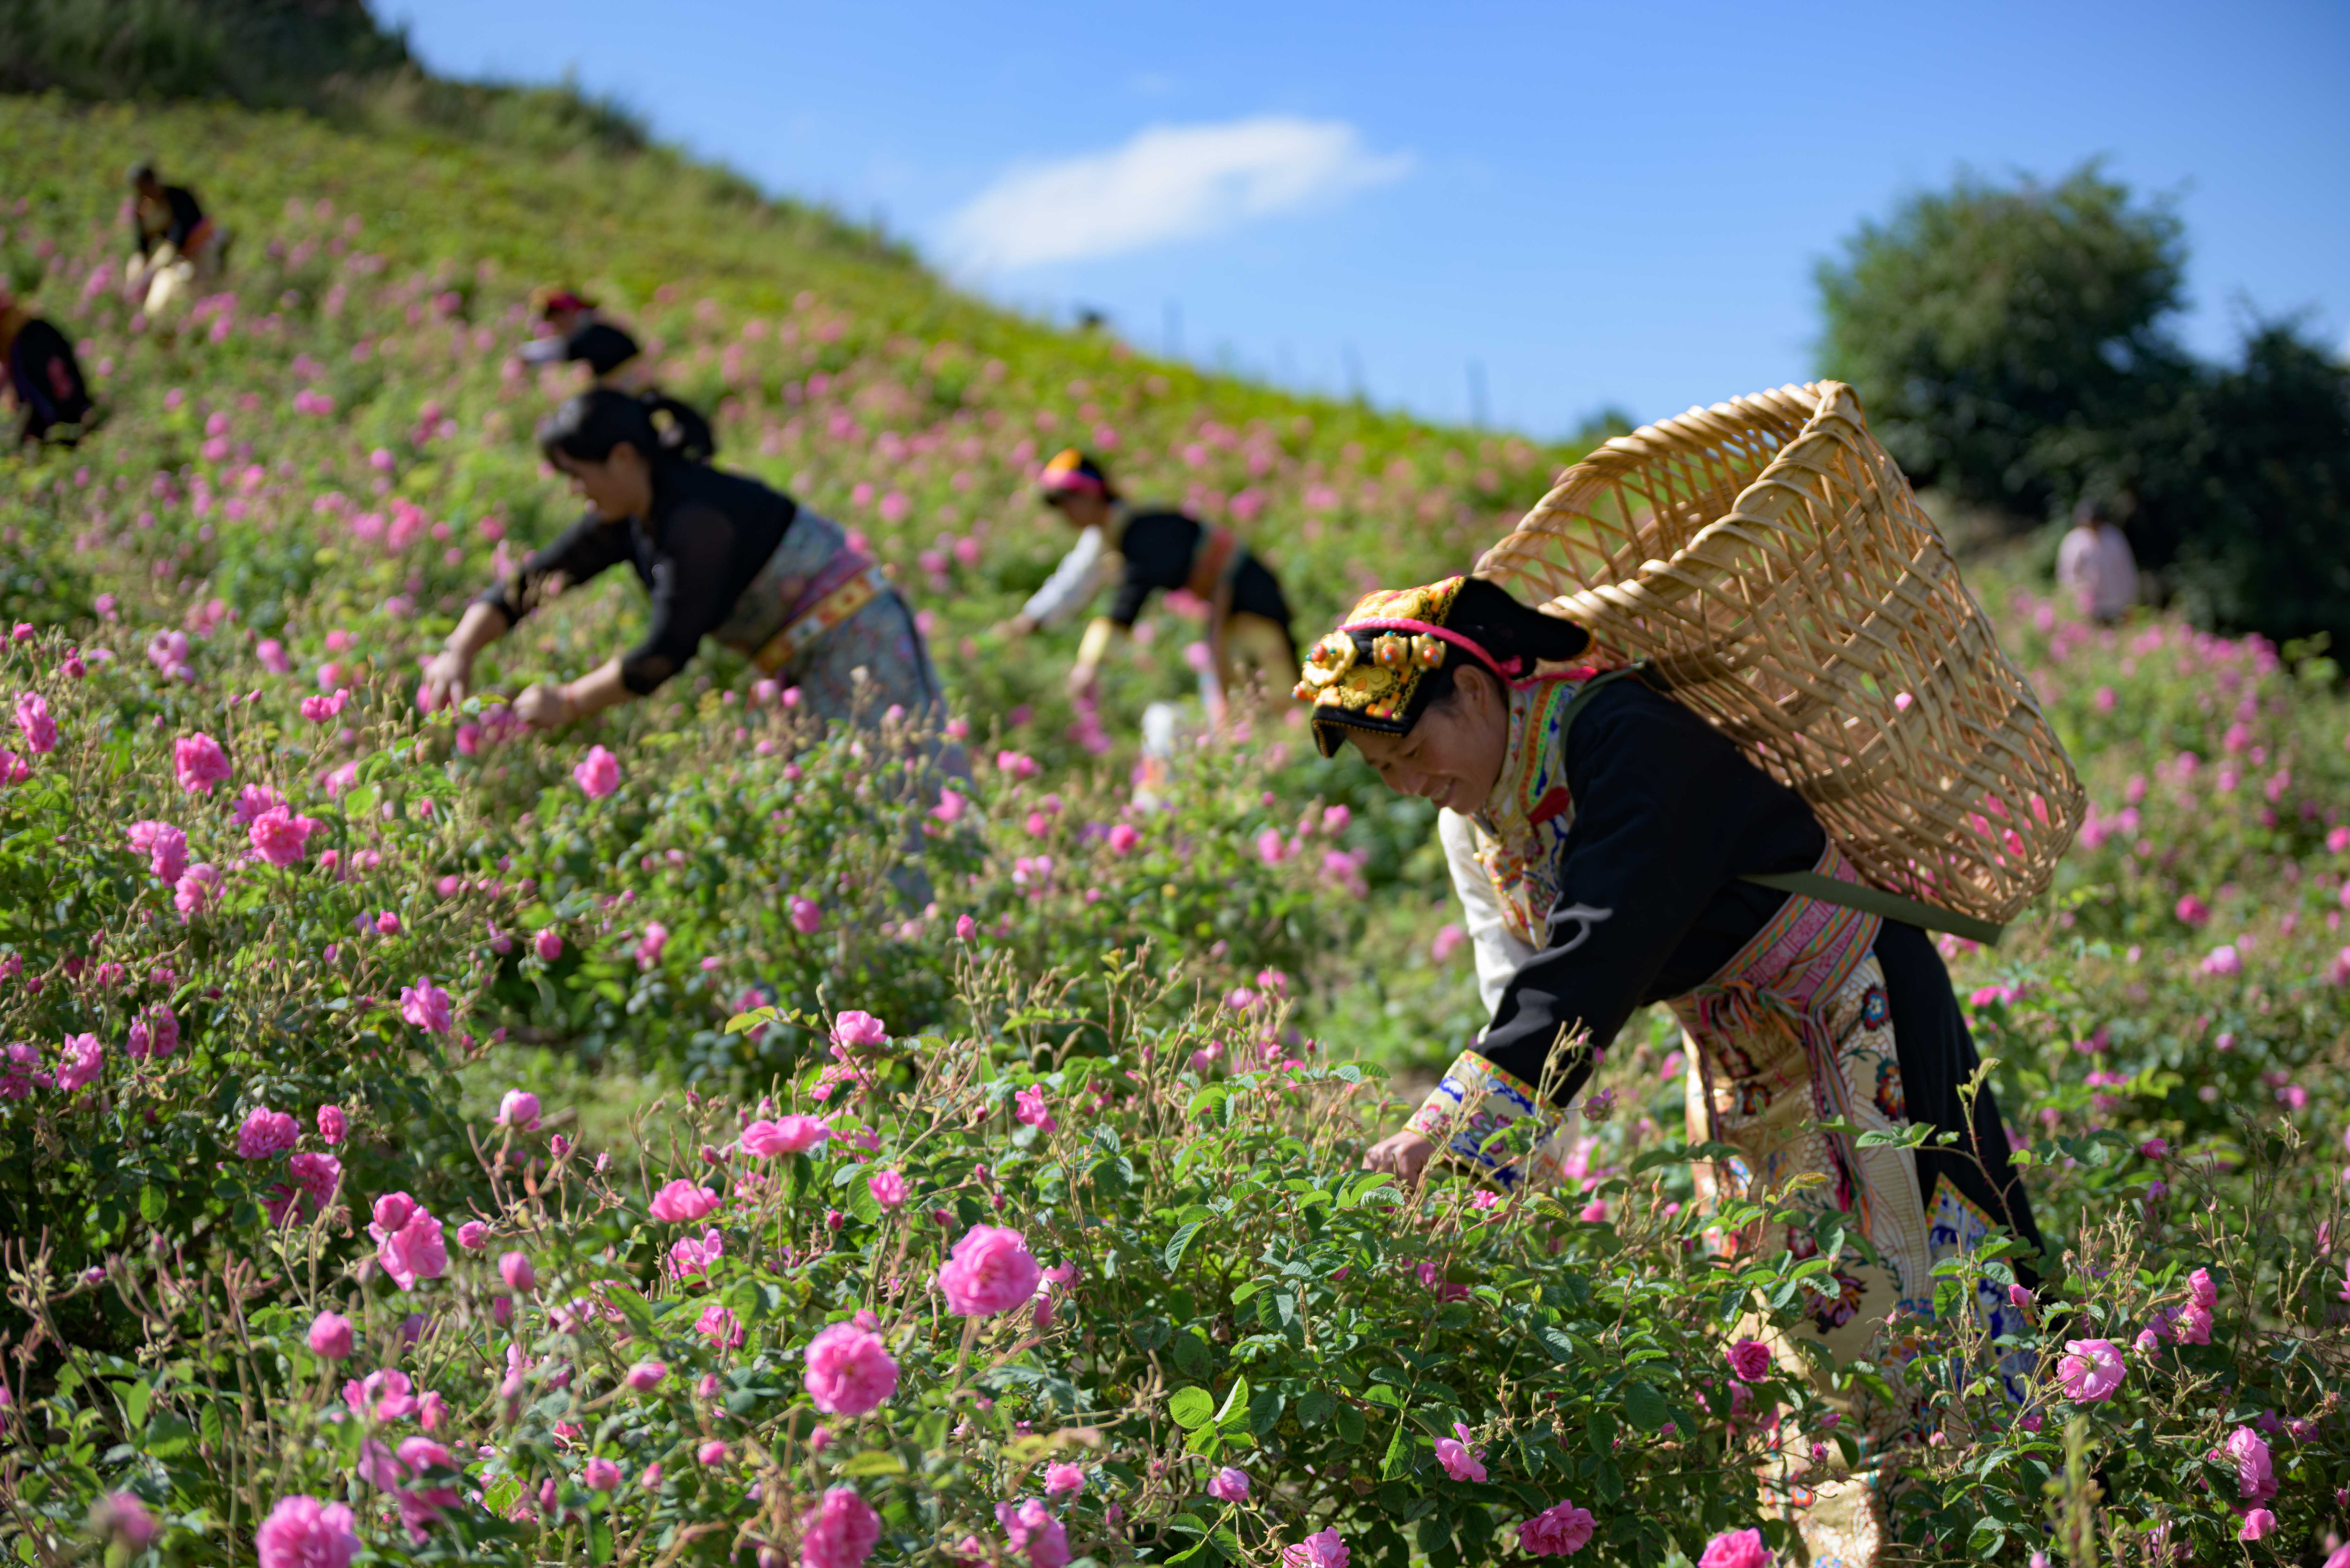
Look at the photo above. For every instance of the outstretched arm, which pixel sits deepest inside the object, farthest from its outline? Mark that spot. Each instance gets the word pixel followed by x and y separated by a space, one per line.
pixel 547 707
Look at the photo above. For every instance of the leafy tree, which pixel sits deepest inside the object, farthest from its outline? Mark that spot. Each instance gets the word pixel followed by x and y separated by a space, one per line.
pixel 1983 323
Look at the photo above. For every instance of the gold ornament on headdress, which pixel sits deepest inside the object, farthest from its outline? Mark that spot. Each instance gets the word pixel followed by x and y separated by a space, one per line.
pixel 1331 658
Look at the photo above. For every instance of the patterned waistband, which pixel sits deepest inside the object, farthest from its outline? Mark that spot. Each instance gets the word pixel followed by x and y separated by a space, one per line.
pixel 1218 558
pixel 1802 954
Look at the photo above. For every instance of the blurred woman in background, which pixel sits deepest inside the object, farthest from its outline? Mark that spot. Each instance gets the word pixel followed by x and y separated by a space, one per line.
pixel 178 246
pixel 576 332
pixel 723 556
pixel 43 378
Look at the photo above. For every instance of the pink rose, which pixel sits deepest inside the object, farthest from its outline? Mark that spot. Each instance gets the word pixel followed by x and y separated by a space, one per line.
pixel 32 719
pixel 849 1370
pixel 990 1271
pixel 2255 1474
pixel 1016 765
pixel 196 890
pixel 266 1134
pixel 333 1126
pixel 409 1242
pixel 280 838
pixel 712 1452
pixel 1750 1361
pixel 839 1532
pixel 2259 1523
pixel 765 1139
pixel 515 1269
pixel 165 847
pixel 1028 1108
pixel 303 1532
pixel 548 944
pixel 330 1337
pixel 385 1395
pixel 518 1108
pixel 471 1234
pixel 600 1475
pixel 1736 1549
pixel 1561 1529
pixel 2090 1370
pixel 1460 1462
pixel 682 1201
pixel 722 1328
pixel 426 1005
pixel 120 1518
pixel 1032 1532
pixel 1231 1485
pixel 1323 1548
pixel 198 763
pixel 854 1029
pixel 1123 838
pixel 1064 1479
pixel 599 776
pixel 808 916
pixel 646 1375
pixel 966 927
pixel 889 1188
pixel 82 1063
pixel 2202 1290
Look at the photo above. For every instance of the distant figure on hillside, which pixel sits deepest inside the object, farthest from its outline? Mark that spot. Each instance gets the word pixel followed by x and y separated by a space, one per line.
pixel 576 332
pixel 178 245
pixel 723 556
pixel 1144 551
pixel 43 379
pixel 2096 565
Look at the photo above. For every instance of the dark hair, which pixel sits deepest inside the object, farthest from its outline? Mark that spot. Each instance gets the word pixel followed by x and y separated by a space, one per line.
pixel 588 427
pixel 1488 615
pixel 142 174
pixel 2092 510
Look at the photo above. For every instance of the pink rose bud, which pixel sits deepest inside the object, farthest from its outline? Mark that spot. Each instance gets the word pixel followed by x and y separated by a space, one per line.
pixel 712 1452
pixel 515 1269
pixel 330 1337
pixel 646 1375
pixel 471 1234
pixel 548 944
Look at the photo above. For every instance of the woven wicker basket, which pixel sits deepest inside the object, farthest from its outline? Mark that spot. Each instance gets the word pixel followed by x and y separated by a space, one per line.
pixel 1769 560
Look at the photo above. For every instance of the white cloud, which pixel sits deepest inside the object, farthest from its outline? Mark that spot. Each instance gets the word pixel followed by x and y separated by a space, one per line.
pixel 1169 182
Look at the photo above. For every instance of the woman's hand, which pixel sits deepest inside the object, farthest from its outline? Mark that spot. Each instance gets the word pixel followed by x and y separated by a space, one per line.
pixel 1404 1154
pixel 545 707
pixel 448 679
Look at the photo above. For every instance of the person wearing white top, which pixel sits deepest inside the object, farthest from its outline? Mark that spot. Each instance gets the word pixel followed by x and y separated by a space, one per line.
pixel 2096 565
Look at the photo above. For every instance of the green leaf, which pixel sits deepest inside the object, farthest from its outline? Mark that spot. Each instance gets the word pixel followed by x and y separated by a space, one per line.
pixel 153 1204
pixel 1352 1429
pixel 1644 1406
pixel 599 1542
pixel 1191 1408
pixel 874 1462
pixel 1192 1356
pixel 861 1202
pixel 1235 1405
pixel 1398 1463
pixel 1314 1407
pixel 1177 1245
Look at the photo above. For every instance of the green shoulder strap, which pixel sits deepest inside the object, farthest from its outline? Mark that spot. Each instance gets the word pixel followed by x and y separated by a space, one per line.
pixel 1828 890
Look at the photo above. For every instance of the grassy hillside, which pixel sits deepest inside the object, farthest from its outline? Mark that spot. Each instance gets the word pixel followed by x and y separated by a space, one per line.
pixel 260 1030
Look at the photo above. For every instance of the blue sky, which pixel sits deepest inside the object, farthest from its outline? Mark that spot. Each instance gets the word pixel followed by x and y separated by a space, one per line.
pixel 1598 205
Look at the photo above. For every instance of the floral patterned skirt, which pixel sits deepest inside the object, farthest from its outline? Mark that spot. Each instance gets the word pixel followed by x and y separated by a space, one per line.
pixel 1797 1031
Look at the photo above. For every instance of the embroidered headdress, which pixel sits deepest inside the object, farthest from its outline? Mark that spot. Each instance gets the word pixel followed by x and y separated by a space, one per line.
pixel 1372 671
pixel 1072 471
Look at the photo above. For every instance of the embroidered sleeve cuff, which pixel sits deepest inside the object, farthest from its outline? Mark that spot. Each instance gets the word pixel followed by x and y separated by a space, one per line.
pixel 1493 1121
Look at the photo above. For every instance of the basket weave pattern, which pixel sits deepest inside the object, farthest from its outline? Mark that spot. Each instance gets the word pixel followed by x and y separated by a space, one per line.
pixel 1769 560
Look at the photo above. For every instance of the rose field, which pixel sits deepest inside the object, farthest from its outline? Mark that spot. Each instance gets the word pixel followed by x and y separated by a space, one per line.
pixel 427 1140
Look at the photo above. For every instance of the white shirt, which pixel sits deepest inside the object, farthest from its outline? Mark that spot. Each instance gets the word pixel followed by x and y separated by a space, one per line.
pixel 2097 566
pixel 1500 954
pixel 1083 571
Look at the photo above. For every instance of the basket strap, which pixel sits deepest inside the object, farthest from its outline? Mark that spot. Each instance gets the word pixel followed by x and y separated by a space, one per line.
pixel 1877 901
pixel 1828 890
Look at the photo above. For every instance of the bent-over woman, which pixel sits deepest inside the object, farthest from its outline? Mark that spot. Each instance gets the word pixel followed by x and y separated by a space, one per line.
pixel 42 377
pixel 1600 834
pixel 723 556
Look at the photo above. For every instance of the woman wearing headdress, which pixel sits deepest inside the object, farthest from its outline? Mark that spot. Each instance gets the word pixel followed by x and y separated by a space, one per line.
pixel 576 332
pixel 42 377
pixel 723 556
pixel 1602 837
pixel 1151 550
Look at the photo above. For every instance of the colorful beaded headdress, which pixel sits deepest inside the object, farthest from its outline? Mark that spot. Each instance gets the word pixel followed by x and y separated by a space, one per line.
pixel 1369 673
